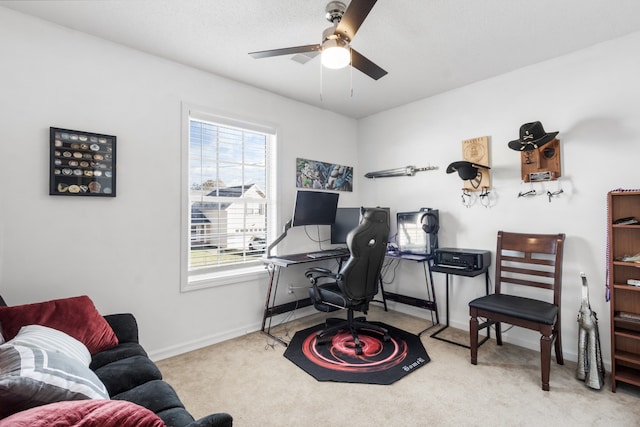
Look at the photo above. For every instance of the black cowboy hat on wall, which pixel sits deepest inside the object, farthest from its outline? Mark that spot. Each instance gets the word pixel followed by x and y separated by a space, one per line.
pixel 532 136
pixel 466 170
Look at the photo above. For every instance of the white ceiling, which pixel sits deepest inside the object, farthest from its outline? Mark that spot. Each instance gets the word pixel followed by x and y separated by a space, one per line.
pixel 427 46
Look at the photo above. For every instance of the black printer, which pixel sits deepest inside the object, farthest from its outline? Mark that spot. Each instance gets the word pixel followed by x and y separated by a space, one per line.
pixel 464 259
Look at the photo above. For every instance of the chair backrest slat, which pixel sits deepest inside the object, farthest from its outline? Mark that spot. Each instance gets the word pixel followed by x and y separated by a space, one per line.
pixel 524 282
pixel 529 260
pixel 534 243
pixel 528 271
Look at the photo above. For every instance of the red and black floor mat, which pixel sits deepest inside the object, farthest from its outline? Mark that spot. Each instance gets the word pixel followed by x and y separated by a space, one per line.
pixel 381 362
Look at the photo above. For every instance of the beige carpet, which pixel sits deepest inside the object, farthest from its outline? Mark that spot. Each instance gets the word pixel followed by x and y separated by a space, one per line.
pixel 249 378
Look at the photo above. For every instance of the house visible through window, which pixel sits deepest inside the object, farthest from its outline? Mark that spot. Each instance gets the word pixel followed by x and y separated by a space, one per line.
pixel 227 196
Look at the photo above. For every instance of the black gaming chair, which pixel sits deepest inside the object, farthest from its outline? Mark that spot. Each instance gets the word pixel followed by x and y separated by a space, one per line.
pixel 356 284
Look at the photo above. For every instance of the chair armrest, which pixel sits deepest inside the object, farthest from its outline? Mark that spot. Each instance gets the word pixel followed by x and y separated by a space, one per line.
pixel 125 327
pixel 214 420
pixel 315 273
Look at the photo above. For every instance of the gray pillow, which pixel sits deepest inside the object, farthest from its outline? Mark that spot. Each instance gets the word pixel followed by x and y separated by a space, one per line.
pixel 32 377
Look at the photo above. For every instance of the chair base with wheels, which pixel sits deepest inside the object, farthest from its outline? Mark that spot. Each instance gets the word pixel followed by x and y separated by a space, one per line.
pixel 352 325
pixel 331 299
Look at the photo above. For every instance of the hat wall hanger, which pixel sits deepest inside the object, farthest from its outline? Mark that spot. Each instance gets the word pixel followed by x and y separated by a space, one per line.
pixel 485 197
pixel 551 189
pixel 539 153
pixel 474 170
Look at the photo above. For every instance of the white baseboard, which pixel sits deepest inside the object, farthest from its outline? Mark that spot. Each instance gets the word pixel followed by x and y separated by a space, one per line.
pixel 188 346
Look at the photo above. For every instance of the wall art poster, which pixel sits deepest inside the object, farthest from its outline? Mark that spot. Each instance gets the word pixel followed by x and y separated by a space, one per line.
pixel 323 176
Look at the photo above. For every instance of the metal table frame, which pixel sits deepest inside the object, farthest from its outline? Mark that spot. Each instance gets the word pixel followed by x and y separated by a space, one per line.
pixel 449 271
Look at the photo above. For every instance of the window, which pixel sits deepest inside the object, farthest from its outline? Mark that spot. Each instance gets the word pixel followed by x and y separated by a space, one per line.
pixel 226 189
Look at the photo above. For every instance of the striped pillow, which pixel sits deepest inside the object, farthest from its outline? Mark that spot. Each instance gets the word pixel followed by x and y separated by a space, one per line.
pixel 38 336
pixel 31 377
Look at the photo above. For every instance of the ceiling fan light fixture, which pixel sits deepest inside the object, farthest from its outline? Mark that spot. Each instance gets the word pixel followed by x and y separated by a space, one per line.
pixel 335 53
pixel 335 48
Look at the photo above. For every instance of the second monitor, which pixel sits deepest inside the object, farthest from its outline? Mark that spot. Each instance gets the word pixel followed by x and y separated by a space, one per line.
pixel 346 220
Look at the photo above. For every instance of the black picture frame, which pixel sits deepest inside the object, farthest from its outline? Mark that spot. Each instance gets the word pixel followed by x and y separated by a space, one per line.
pixel 82 163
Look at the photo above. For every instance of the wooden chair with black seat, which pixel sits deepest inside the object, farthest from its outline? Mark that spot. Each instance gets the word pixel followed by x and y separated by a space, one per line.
pixel 524 260
pixel 356 284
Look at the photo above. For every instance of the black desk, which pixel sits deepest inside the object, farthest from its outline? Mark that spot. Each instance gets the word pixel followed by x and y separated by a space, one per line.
pixel 274 266
pixel 460 272
pixel 430 302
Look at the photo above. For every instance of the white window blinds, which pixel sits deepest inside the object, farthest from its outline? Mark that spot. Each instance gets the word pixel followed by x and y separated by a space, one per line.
pixel 228 195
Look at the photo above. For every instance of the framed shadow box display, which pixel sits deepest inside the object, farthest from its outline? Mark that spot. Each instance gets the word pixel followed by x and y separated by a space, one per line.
pixel 82 163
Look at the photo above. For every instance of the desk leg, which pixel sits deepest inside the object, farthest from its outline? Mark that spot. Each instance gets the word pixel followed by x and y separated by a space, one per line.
pixel 431 297
pixel 435 334
pixel 433 294
pixel 272 272
pixel 384 298
pixel 274 276
pixel 447 300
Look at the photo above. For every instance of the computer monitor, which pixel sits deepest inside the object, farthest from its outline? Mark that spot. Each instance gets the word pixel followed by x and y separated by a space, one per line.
pixel 314 208
pixel 346 220
pixel 418 231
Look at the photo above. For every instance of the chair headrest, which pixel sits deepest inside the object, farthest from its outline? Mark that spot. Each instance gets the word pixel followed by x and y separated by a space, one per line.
pixel 375 214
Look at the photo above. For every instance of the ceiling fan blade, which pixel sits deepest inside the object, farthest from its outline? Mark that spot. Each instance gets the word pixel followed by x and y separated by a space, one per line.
pixel 286 51
pixel 353 17
pixel 363 64
pixel 305 57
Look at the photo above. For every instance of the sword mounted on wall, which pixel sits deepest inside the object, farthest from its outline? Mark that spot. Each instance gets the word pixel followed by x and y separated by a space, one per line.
pixel 406 171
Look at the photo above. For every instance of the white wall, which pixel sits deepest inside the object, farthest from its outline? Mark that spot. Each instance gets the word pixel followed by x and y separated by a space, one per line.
pixel 124 252
pixel 591 97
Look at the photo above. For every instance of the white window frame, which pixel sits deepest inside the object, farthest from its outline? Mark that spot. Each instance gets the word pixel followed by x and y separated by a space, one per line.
pixel 226 275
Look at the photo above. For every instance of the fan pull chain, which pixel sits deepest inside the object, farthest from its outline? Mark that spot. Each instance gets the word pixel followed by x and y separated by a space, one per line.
pixel 350 72
pixel 321 85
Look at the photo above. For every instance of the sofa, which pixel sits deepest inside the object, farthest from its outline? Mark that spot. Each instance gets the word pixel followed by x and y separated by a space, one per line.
pixel 120 386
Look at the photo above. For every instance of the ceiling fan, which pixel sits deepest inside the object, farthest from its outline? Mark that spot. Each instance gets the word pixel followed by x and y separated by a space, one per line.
pixel 335 47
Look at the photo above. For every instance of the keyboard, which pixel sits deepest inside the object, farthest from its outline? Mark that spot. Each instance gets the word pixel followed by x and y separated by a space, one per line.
pixel 328 253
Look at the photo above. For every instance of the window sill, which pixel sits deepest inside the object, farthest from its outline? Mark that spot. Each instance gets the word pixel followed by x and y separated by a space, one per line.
pixel 223 278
